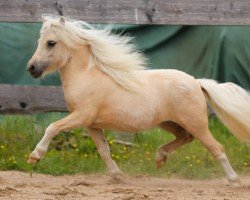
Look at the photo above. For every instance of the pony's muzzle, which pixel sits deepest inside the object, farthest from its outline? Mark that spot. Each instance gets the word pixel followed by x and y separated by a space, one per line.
pixel 34 70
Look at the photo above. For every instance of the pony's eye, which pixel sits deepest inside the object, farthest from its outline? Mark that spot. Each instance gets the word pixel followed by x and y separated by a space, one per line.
pixel 51 43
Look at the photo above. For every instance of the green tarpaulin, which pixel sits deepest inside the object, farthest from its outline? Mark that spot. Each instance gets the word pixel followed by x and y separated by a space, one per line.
pixel 216 52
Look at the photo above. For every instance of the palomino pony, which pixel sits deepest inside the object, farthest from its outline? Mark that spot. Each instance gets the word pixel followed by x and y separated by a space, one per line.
pixel 106 86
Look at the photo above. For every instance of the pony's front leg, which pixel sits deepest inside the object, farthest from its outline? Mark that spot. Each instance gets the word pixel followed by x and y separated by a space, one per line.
pixel 103 149
pixel 71 121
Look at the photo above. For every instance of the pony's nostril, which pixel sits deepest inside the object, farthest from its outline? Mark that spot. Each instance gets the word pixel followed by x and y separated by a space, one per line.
pixel 32 68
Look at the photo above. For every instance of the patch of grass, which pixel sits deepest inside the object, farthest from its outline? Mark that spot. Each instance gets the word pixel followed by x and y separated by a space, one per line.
pixel 71 152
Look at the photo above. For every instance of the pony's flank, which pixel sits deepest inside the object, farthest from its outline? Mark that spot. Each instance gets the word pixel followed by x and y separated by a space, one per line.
pixel 113 54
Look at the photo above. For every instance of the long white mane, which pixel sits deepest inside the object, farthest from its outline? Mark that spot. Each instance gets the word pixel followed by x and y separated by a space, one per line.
pixel 113 54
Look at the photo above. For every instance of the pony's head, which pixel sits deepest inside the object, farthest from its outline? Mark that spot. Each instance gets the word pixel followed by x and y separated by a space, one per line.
pixel 51 53
pixel 62 40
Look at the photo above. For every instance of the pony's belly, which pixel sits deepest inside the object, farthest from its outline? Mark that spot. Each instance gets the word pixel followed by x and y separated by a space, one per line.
pixel 129 124
pixel 121 126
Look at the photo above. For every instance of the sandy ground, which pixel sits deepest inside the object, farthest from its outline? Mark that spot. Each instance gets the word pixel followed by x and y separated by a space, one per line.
pixel 19 185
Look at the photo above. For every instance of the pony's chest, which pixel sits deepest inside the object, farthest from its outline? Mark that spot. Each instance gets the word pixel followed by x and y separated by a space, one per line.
pixel 74 98
pixel 82 99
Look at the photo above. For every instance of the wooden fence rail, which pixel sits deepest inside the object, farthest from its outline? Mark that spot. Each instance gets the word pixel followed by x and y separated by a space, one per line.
pixel 191 12
pixel 15 99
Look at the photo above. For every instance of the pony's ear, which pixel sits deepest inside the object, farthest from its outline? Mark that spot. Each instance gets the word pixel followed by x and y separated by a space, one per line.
pixel 62 20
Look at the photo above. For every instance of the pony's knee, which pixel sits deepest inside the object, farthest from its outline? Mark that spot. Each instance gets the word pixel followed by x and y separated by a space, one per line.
pixel 51 130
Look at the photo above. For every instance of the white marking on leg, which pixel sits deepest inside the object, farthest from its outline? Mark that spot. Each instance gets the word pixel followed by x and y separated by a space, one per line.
pixel 42 146
pixel 103 149
pixel 110 163
pixel 161 154
pixel 230 173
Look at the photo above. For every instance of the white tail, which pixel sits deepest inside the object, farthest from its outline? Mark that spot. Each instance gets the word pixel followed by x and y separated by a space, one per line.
pixel 231 104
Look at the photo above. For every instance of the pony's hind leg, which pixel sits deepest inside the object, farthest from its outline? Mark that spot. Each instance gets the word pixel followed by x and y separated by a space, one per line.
pixel 103 149
pixel 217 151
pixel 182 137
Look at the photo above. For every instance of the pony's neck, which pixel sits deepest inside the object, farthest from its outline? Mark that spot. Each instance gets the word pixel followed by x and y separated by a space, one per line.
pixel 77 64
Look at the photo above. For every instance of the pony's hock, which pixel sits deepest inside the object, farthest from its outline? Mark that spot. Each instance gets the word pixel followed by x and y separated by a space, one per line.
pixel 122 95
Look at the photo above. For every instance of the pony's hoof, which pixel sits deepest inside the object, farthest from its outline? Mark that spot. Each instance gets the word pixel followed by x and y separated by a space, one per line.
pixel 118 177
pixel 32 161
pixel 36 155
pixel 160 159
pixel 235 183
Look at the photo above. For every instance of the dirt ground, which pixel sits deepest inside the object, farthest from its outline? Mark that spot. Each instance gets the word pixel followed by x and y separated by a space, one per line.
pixel 19 185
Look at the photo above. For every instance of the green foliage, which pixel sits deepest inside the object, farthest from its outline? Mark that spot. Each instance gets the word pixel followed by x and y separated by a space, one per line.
pixel 73 152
